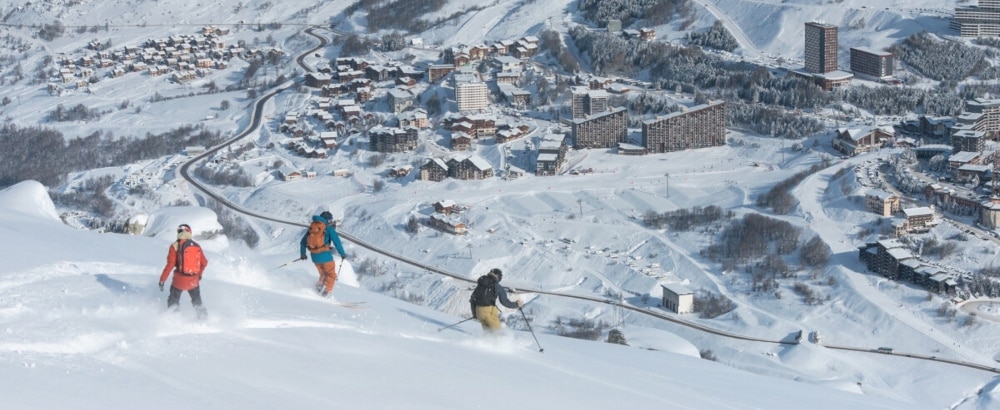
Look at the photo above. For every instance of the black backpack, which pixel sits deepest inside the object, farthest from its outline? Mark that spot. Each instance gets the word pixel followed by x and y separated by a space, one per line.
pixel 485 293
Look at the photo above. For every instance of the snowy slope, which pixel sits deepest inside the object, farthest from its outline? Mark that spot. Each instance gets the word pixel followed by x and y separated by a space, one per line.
pixel 88 322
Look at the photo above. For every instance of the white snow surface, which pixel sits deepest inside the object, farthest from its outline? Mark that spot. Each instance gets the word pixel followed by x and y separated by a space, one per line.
pixel 85 328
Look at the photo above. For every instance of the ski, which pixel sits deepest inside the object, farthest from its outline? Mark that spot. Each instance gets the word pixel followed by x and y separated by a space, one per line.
pixel 351 305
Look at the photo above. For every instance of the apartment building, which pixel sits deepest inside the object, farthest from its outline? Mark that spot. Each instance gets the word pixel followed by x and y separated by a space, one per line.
pixel 981 21
pixel 604 130
pixel 698 127
pixel 870 63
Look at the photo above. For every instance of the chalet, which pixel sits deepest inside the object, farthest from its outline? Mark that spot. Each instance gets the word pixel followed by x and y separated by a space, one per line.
pixel 317 80
pixel 329 139
pixel 332 90
pixel 471 168
pixel 974 173
pixel 516 97
pixel 881 202
pixel 291 176
pixel 357 84
pixel 551 154
pixel 353 62
pixel 477 125
pixel 379 73
pixel 478 52
pixel 445 206
pixel 363 94
pixel 958 159
pixel 438 71
pixel 399 100
pixel 448 223
pixel 350 75
pixel 411 72
pixel 647 34
pixel 919 219
pixel 525 51
pixel 406 81
pixel 461 141
pixel 508 135
pixel 414 118
pixel 854 141
pixel 502 47
pixel 508 77
pixel 435 170
pixel 936 127
pixel 400 172
pixel 386 139
pixel 990 212
pixel 508 63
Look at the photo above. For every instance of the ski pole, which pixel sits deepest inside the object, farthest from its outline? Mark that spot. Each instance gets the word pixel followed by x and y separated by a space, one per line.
pixel 532 331
pixel 284 264
pixel 455 324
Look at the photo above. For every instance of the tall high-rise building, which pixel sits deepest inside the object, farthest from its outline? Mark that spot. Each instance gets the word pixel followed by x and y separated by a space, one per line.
pixel 601 130
pixel 699 127
pixel 471 96
pixel 820 47
pixel 588 102
pixel 981 21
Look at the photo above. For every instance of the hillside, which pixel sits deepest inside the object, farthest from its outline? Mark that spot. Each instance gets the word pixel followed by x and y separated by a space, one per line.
pixel 91 320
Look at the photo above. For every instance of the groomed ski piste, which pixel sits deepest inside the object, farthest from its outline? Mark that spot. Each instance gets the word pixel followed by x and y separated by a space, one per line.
pixel 85 327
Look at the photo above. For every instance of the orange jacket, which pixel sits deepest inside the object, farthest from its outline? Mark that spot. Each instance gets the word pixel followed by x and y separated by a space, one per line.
pixel 181 280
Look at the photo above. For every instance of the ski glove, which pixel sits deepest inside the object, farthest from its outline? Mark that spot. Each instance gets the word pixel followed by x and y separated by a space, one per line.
pixel 302 258
pixel 161 286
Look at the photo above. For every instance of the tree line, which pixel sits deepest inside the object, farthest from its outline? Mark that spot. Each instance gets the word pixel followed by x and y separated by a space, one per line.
pixel 686 219
pixel 44 155
pixel 652 12
pixel 945 60
pixel 716 37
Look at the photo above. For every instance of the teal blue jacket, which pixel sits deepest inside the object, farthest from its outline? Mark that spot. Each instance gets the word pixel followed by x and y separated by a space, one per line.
pixel 330 237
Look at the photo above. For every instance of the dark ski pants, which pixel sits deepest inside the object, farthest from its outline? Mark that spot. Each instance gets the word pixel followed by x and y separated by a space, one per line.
pixel 175 297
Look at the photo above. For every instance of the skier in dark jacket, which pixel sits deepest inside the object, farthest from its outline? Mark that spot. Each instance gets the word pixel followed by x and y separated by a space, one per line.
pixel 484 298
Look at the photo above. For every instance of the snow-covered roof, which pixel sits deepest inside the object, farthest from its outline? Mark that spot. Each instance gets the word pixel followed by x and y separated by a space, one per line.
pixel 918 211
pixel 963 156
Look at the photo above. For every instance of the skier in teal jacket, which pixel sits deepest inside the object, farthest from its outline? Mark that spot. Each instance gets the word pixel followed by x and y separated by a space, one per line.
pixel 317 240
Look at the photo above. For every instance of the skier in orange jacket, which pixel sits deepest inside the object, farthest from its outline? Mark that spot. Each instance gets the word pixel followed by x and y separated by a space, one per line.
pixel 188 263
